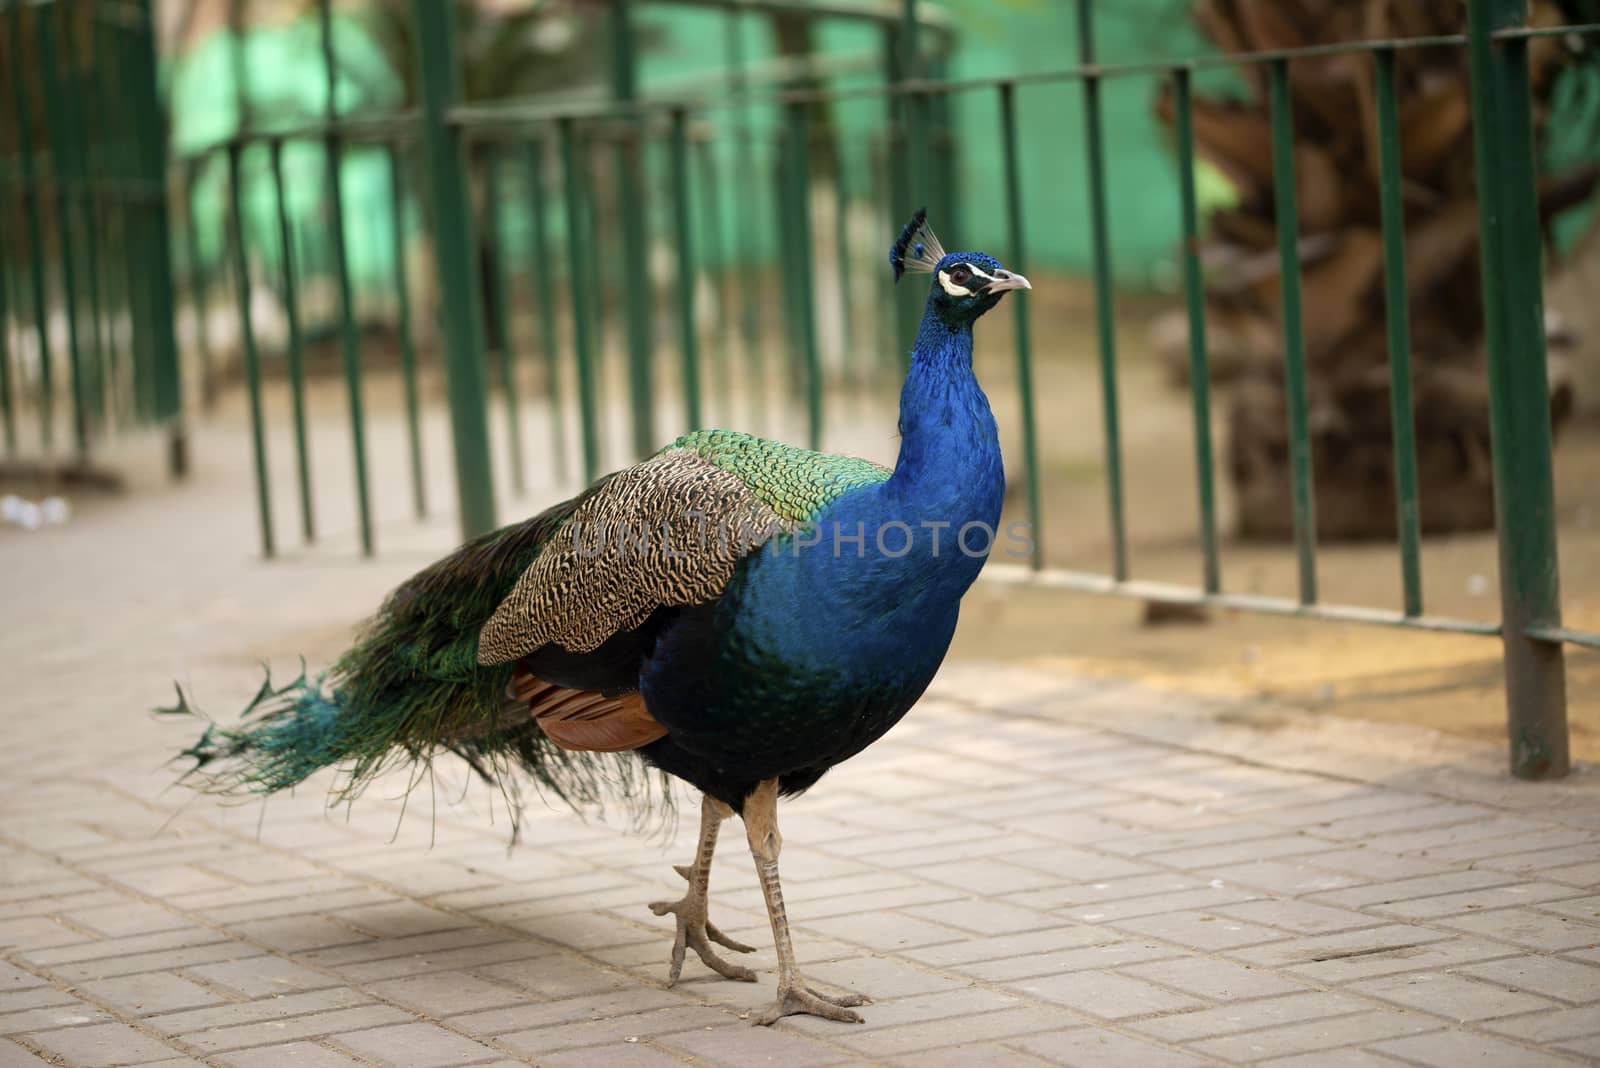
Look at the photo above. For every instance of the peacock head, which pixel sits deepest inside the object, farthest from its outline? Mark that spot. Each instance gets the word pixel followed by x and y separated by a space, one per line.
pixel 965 284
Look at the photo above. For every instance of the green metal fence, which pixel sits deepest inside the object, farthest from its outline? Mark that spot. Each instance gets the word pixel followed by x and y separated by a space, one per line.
pixel 83 196
pixel 605 182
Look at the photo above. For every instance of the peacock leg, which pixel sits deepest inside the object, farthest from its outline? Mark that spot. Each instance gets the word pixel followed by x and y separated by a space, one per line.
pixel 694 929
pixel 794 997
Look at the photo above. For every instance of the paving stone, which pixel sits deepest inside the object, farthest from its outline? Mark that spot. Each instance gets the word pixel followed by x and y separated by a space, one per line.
pixel 181 938
pixel 256 977
pixel 36 997
pixel 1186 1027
pixel 1529 928
pixel 1335 1058
pixel 530 1014
pixel 1452 997
pixel 1316 1035
pixel 1442 954
pixel 56 1013
pixel 1554 1026
pixel 447 993
pixel 920 1009
pixel 1102 955
pixel 416 1045
pixel 14 978
pixel 163 960
pixel 1201 930
pixel 1091 1048
pixel 1078 865
pixel 544 1040
pixel 1375 941
pixel 954 1031
pixel 1451 1049
pixel 735 1047
pixel 125 918
pixel 1010 945
pixel 101 1046
pixel 1116 910
pixel 613 1055
pixel 1105 994
pixel 1468 901
pixel 1434 884
pixel 14 1056
pixel 984 916
pixel 1581 908
pixel 1301 917
pixel 887 932
pixel 151 992
pixel 289 1055
pixel 316 1025
pixel 990 876
pixel 1549 976
pixel 1216 980
pixel 245 1012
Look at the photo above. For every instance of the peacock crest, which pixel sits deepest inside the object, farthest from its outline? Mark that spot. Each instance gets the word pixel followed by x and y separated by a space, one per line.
pixel 918 249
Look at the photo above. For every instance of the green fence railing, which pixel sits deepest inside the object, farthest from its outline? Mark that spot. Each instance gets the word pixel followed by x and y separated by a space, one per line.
pixel 605 182
pixel 83 230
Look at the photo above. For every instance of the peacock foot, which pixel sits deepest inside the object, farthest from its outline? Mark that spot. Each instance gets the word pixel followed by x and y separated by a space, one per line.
pixel 697 932
pixel 797 999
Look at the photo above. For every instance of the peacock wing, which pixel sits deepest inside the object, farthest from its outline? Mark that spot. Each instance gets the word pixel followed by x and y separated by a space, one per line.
pixel 668 532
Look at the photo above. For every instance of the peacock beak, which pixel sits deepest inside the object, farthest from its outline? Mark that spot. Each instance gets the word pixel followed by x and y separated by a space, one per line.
pixel 1005 280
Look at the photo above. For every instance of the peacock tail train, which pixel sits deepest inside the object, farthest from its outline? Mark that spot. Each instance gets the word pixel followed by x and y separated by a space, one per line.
pixel 411 688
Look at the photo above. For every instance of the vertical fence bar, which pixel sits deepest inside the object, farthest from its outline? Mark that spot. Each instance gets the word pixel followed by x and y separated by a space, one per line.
pixel 160 302
pixel 841 242
pixel 135 273
pixel 1100 227
pixel 717 256
pixel 408 341
pixel 1294 350
pixel 350 343
pixel 1407 515
pixel 500 294
pixel 294 352
pixel 1018 256
pixel 61 174
pixel 802 279
pixel 903 195
pixel 687 271
pixel 630 195
pixel 1519 399
pixel 85 166
pixel 577 272
pixel 742 258
pixel 543 280
pixel 7 409
pixel 454 249
pixel 197 283
pixel 1199 362
pixel 30 211
pixel 252 358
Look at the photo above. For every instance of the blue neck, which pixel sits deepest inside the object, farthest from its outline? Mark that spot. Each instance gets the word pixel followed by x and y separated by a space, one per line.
pixel 949 446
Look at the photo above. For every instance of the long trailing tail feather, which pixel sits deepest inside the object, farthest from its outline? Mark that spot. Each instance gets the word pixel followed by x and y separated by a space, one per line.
pixel 410 689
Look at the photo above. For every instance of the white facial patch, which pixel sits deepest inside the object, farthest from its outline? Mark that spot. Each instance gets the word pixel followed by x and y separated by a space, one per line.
pixel 951 288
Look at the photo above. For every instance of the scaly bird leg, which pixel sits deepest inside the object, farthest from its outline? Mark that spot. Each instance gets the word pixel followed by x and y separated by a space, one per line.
pixel 694 930
pixel 794 997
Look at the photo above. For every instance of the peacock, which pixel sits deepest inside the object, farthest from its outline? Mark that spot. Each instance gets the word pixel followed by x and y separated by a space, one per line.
pixel 734 612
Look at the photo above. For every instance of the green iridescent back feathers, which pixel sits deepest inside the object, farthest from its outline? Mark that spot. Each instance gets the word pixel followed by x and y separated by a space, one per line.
pixel 413 684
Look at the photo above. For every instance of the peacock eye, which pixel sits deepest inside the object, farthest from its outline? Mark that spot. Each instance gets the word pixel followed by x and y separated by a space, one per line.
pixel 961 276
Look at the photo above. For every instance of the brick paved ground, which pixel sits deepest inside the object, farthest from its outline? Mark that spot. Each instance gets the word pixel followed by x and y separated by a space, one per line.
pixel 1031 869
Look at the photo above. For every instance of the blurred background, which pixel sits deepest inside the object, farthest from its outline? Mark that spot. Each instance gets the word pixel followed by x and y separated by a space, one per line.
pixel 223 257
